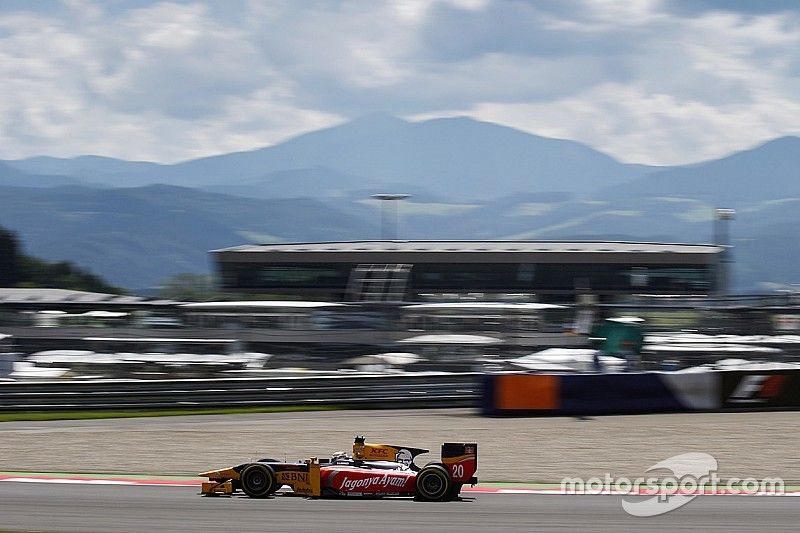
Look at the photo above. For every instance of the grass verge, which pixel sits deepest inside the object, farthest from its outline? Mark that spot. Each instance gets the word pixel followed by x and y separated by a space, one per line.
pixel 92 415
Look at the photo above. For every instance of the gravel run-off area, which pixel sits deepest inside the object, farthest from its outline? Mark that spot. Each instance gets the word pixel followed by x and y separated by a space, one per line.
pixel 745 445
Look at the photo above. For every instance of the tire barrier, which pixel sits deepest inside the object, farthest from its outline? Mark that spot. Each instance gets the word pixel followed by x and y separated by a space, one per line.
pixel 632 393
pixel 429 389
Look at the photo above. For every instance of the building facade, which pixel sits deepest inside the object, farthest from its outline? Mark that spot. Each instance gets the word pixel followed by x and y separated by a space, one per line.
pixel 392 271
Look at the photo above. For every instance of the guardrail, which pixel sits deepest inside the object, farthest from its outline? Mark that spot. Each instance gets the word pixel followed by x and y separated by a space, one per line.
pixel 430 389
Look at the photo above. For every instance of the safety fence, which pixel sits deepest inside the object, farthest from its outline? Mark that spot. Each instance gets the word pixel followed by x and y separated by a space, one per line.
pixel 496 394
pixel 432 389
pixel 630 393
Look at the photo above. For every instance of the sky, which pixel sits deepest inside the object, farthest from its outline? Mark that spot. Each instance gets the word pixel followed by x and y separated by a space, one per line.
pixel 645 81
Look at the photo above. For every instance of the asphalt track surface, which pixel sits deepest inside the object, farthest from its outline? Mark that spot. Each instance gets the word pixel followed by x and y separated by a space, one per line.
pixel 523 449
pixel 86 508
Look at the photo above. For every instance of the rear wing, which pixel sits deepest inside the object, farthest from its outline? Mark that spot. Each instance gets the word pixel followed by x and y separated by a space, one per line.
pixel 461 460
pixel 365 451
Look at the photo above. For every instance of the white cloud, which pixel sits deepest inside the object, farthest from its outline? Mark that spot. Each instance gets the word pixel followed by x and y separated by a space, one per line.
pixel 645 81
pixel 636 125
pixel 165 82
pixel 701 88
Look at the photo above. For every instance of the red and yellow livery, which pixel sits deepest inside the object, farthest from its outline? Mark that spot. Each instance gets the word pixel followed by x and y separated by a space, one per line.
pixel 373 470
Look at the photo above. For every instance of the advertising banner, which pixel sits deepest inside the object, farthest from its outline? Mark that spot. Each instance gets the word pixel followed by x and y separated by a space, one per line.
pixel 741 389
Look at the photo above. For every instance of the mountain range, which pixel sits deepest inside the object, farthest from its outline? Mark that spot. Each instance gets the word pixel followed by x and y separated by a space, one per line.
pixel 136 223
pixel 457 158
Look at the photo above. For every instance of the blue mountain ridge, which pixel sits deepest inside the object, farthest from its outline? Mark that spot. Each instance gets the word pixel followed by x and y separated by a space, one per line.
pixel 468 179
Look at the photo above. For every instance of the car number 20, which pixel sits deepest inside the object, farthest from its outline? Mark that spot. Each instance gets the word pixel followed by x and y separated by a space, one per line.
pixel 458 470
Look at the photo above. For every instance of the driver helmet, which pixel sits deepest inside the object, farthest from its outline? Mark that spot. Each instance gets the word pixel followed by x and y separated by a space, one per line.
pixel 338 456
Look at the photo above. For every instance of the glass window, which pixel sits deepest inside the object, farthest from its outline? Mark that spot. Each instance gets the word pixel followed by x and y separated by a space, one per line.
pixel 473 277
pixel 297 275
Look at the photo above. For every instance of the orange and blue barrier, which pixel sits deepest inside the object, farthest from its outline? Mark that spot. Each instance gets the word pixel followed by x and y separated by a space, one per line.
pixel 597 394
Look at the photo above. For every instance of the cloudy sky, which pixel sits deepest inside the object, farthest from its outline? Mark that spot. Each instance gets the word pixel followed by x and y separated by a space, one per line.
pixel 660 82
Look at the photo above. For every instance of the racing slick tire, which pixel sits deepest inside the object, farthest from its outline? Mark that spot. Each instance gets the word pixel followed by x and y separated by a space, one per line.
pixel 258 480
pixel 433 484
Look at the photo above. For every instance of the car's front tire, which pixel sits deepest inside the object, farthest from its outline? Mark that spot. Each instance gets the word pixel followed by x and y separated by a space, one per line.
pixel 433 483
pixel 258 480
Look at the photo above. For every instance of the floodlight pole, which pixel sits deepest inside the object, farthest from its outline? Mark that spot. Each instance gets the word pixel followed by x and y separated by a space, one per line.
pixel 390 224
pixel 722 216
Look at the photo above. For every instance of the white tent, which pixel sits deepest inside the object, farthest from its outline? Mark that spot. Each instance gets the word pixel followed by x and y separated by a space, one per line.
pixel 451 339
pixel 488 306
pixel 573 359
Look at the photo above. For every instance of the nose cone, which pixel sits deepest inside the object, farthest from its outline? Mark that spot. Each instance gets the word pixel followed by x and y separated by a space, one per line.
pixel 221 474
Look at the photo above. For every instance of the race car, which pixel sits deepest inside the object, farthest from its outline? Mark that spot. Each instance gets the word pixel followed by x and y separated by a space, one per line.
pixel 373 470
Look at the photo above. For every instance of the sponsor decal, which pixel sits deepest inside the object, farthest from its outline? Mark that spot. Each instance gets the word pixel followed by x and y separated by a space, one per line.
pixel 294 476
pixel 404 457
pixel 757 388
pixel 384 481
pixel 379 452
pixel 743 389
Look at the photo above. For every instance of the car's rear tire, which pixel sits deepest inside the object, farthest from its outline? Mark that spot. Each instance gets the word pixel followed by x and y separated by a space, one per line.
pixel 433 483
pixel 258 480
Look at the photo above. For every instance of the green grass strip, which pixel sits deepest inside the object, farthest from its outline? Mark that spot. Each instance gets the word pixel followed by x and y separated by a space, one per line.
pixel 37 416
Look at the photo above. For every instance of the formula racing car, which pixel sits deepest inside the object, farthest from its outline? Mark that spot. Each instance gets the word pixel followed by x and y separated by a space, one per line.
pixel 373 470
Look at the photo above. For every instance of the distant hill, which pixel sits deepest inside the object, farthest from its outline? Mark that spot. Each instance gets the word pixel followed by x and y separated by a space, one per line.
pixel 8 173
pixel 92 169
pixel 13 177
pixel 455 157
pixel 138 237
pixel 767 172
pixel 468 180
pixel 296 183
pixel 553 217
pixel 763 233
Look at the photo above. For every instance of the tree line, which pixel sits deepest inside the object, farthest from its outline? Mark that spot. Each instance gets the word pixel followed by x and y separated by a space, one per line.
pixel 23 271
